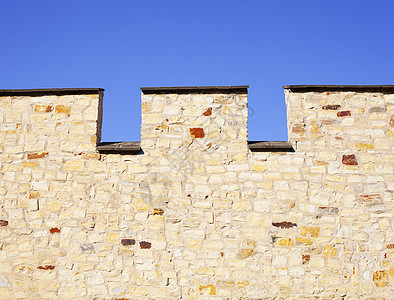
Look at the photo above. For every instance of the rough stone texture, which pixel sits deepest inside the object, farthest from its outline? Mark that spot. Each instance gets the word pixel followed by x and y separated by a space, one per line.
pixel 197 215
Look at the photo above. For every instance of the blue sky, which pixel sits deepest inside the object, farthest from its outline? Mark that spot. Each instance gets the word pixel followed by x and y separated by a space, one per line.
pixel 123 45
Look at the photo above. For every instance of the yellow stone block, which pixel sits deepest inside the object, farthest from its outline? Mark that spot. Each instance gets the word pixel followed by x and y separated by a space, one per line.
pixel 139 290
pixel 205 271
pixel 67 293
pixel 310 231
pixel 86 266
pixel 244 253
pixel 285 242
pixel 194 244
pixel 25 246
pixel 242 205
pixel 145 107
pixel 90 155
pixel 112 237
pixel 5 293
pixel 207 290
pixel 265 184
pixel 74 165
pixel 140 204
pixel 364 146
pixel 303 241
pixel 330 251
pixel 380 278
pixel 54 205
pixel 29 164
pixel 284 290
pixel 12 168
pixel 258 219
pixel 259 168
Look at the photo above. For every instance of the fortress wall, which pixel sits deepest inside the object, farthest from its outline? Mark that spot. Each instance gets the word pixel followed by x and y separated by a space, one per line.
pixel 196 214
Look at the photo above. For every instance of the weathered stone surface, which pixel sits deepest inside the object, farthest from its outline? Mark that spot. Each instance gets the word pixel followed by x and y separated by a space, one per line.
pixel 89 248
pixel 377 109
pixel 195 214
pixel 4 281
pixel 298 129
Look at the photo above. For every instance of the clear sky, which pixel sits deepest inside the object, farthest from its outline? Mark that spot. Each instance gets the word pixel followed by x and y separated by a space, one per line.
pixel 121 45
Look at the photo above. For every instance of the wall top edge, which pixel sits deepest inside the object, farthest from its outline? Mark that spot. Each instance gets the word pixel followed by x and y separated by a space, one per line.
pixel 50 92
pixel 238 89
pixel 387 89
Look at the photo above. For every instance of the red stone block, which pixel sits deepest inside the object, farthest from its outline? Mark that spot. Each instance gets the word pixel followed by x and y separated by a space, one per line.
pixel 197 133
pixel 46 267
pixel 344 113
pixel 54 230
pixel 349 160
pixel 305 258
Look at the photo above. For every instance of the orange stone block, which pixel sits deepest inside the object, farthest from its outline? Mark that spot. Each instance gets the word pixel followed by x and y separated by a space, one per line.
pixel 62 109
pixel 208 112
pixel 36 155
pixel 34 195
pixel 43 108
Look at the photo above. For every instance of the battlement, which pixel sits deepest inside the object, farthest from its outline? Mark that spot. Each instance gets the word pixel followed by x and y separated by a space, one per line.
pixel 195 210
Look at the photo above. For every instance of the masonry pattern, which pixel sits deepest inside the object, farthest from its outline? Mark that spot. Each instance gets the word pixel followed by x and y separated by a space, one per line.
pixel 196 214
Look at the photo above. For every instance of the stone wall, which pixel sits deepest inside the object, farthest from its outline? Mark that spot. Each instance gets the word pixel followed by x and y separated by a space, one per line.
pixel 196 214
